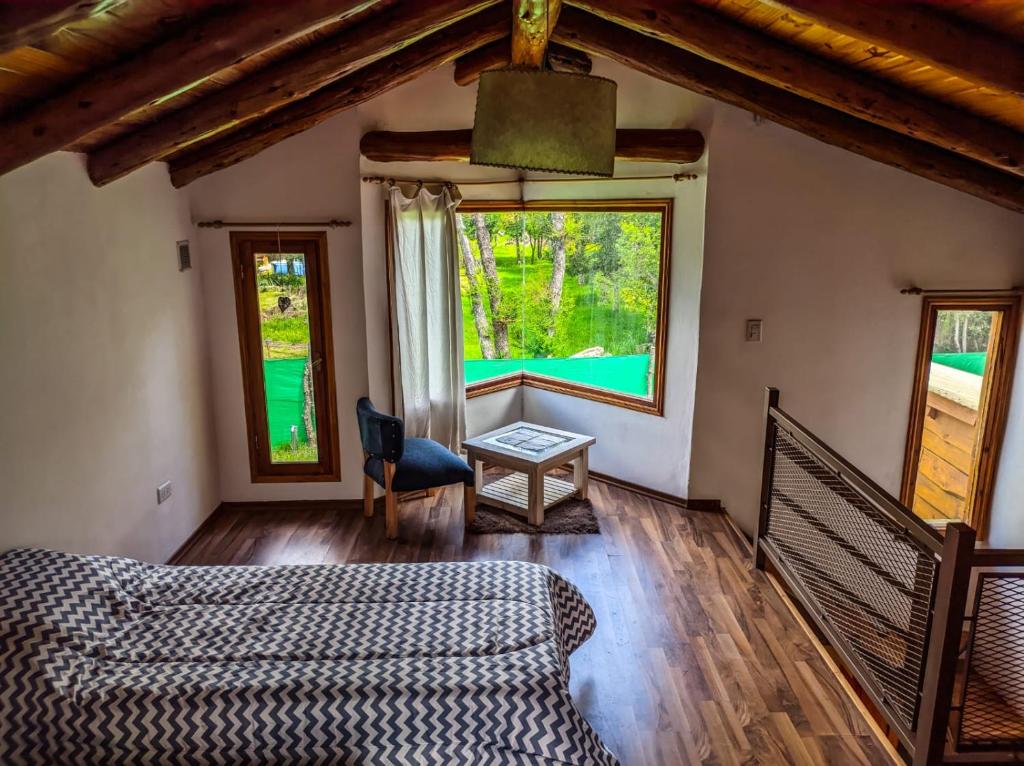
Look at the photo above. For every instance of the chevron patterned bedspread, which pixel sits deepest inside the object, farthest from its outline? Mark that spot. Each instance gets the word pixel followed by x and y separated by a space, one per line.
pixel 112 661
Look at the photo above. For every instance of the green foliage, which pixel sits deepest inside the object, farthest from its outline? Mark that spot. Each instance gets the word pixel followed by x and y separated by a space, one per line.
pixel 962 331
pixel 292 282
pixel 609 296
pixel 285 334
pixel 283 453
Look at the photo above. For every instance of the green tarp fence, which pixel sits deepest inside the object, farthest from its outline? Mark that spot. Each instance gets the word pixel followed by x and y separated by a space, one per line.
pixel 973 363
pixel 283 381
pixel 625 374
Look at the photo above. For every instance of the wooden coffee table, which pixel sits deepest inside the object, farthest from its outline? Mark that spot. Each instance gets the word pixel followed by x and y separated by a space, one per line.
pixel 530 451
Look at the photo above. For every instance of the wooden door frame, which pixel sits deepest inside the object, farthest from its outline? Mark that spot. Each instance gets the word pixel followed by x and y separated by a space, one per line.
pixel 992 409
pixel 313 245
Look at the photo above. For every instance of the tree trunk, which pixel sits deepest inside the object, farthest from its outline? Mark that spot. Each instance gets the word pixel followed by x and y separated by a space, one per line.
pixel 479 317
pixel 307 404
pixel 557 264
pixel 483 240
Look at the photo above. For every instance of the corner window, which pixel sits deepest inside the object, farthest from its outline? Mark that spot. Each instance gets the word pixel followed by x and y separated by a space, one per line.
pixel 567 296
pixel 284 328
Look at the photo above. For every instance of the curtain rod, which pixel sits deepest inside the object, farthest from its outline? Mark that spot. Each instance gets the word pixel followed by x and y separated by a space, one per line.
pixel 334 223
pixel 674 177
pixel 977 291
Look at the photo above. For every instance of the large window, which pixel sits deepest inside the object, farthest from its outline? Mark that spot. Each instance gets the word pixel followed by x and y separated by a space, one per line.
pixel 282 299
pixel 567 296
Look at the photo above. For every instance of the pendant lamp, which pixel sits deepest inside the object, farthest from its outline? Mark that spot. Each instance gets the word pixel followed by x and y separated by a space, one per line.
pixel 536 119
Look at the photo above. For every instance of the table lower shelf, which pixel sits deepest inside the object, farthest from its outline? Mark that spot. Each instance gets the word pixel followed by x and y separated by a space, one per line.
pixel 512 492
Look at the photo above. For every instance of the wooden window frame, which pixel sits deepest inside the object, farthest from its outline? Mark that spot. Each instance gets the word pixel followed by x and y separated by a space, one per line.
pixel 656 404
pixel 995 397
pixel 313 246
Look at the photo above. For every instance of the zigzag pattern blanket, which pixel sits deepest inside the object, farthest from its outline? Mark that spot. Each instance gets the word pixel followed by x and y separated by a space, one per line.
pixel 112 661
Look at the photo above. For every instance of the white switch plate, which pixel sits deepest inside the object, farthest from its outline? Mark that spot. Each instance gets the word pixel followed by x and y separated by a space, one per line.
pixel 754 330
pixel 163 492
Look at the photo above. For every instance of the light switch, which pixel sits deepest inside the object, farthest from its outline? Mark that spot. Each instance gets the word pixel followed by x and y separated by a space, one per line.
pixel 754 328
pixel 163 492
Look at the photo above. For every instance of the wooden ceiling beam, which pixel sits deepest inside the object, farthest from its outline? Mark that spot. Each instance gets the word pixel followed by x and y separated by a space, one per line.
pixel 679 146
pixel 532 22
pixel 278 84
pixel 671 64
pixel 924 34
pixel 28 23
pixel 210 44
pixel 717 38
pixel 499 54
pixel 433 51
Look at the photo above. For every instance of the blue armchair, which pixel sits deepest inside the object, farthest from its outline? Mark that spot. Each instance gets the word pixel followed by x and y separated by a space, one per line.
pixel 405 465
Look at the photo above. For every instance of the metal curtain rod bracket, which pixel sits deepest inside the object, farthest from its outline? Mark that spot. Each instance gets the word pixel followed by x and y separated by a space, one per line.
pixel 334 223
pixel 977 291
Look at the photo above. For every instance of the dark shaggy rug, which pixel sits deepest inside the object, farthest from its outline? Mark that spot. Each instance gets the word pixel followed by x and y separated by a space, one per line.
pixel 573 517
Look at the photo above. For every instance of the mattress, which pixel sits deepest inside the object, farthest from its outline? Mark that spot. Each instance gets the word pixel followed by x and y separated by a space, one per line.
pixel 108 660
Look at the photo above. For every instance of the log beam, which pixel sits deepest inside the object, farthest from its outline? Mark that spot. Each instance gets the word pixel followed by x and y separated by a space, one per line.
pixel 632 145
pixel 27 23
pixel 279 84
pixel 499 54
pixel 431 52
pixel 976 54
pixel 667 62
pixel 758 55
pixel 532 22
pixel 212 43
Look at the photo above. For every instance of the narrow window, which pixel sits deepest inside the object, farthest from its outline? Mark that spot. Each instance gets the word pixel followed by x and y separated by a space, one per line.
pixel 958 412
pixel 567 296
pixel 284 328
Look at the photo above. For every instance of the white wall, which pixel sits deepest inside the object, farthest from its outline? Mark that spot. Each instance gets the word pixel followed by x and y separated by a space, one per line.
pixel 1006 529
pixel 313 176
pixel 817 241
pixel 105 393
pixel 650 450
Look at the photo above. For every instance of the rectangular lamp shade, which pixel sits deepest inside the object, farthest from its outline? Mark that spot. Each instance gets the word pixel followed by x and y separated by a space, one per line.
pixel 540 120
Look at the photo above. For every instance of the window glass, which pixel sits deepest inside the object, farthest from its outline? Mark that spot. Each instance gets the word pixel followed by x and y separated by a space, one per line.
pixel 287 371
pixel 569 295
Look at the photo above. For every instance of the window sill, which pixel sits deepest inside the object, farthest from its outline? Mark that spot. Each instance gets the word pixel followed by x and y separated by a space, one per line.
pixel 635 403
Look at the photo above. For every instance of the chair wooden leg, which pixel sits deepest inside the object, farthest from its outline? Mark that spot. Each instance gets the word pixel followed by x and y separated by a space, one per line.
pixel 367 496
pixel 390 503
pixel 469 501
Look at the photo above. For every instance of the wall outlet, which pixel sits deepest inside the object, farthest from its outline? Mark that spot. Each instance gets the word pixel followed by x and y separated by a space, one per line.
pixel 163 492
pixel 754 330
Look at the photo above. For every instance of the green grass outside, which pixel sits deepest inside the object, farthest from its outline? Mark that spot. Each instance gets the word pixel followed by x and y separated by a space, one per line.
pixel 587 317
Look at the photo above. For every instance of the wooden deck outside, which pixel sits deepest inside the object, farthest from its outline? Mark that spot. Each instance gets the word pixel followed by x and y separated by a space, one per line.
pixel 696 658
pixel 947 444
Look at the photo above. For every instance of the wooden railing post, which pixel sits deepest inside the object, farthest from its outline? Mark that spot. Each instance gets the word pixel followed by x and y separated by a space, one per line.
pixel 951 588
pixel 771 399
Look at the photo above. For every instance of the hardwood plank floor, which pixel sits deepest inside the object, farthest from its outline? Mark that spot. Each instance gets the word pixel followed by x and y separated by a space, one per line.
pixel 696 659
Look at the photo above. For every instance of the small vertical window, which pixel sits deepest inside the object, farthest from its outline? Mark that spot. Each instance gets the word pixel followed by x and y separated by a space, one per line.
pixel 283 304
pixel 960 399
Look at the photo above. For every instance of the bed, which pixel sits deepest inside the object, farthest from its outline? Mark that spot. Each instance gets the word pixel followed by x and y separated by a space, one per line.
pixel 109 660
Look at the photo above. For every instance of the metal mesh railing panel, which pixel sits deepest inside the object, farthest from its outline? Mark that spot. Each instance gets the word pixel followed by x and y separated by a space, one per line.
pixel 992 716
pixel 865 576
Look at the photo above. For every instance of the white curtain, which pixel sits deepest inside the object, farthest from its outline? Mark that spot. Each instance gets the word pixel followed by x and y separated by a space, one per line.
pixel 430 391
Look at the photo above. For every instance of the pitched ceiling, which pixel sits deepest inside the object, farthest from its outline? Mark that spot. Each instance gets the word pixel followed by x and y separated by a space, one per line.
pixel 937 91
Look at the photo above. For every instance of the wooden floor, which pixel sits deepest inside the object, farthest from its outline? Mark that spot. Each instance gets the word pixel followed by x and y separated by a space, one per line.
pixel 696 659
